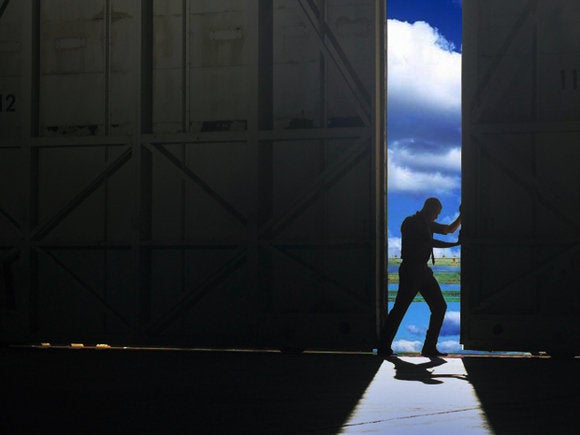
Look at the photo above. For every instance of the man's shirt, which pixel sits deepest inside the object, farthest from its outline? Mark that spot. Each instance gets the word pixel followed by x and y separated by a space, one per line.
pixel 417 238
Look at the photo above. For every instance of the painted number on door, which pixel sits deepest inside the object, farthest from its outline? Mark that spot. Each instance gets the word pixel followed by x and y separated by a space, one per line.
pixel 7 103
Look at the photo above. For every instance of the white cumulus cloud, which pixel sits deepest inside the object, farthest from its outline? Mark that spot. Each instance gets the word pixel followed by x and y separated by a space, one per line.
pixel 449 346
pixel 416 330
pixel 424 110
pixel 406 346
pixel 423 67
pixel 451 324
pixel 448 160
pixel 407 179
pixel 394 244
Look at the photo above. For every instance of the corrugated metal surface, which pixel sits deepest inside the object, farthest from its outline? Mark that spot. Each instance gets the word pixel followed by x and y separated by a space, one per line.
pixel 206 173
pixel 521 175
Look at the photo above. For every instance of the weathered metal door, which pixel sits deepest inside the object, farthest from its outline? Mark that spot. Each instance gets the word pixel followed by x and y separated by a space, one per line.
pixel 192 173
pixel 521 175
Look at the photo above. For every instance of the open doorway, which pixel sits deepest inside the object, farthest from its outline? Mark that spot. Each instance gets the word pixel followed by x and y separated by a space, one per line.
pixel 424 142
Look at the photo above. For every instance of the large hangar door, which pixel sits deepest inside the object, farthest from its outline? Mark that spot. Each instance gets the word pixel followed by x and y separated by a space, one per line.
pixel 521 176
pixel 194 173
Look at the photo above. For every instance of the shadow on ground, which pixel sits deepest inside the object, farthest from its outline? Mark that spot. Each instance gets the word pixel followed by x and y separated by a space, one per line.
pixel 157 392
pixel 406 371
pixel 528 395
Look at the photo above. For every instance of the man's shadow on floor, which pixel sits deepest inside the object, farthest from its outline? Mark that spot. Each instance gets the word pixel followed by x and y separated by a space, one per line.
pixel 406 371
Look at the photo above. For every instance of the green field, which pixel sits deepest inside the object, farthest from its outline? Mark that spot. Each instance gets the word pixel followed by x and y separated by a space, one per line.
pixel 443 261
pixel 448 295
pixel 446 277
pixel 442 277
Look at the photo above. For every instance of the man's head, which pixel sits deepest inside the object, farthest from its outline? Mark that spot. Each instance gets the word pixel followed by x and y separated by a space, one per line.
pixel 431 209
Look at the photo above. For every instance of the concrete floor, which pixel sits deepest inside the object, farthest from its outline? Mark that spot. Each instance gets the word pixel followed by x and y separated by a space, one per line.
pixel 181 392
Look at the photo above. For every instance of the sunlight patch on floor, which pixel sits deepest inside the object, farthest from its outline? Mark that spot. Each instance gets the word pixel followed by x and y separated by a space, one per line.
pixel 418 395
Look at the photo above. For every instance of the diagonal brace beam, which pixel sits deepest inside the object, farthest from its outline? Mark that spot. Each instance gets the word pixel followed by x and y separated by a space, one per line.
pixel 532 185
pixel 311 271
pixel 326 180
pixel 86 287
pixel 3 7
pixel 333 49
pixel 192 176
pixel 192 297
pixel 9 218
pixel 484 305
pixel 498 69
pixel 45 228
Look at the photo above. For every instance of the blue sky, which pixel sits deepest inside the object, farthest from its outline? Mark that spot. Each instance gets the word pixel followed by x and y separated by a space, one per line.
pixel 424 110
pixel 444 15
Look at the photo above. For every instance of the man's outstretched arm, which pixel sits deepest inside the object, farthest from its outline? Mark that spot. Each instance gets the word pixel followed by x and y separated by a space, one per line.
pixel 452 227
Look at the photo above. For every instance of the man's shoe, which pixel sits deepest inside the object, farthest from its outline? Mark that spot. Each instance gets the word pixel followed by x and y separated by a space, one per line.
pixel 433 353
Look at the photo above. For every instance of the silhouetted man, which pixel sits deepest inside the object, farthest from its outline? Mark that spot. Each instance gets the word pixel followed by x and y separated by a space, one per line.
pixel 415 276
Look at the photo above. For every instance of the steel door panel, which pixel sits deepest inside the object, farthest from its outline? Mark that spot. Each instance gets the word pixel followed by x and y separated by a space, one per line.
pixel 186 177
pixel 521 182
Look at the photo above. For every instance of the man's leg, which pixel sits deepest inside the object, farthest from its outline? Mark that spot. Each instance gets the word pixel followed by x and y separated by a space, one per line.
pixel 431 292
pixel 405 294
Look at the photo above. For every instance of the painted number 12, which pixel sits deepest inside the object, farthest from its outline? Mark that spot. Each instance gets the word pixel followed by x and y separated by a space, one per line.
pixel 7 103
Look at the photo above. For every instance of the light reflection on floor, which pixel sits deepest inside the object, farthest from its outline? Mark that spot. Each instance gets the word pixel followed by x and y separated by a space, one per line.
pixel 415 395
